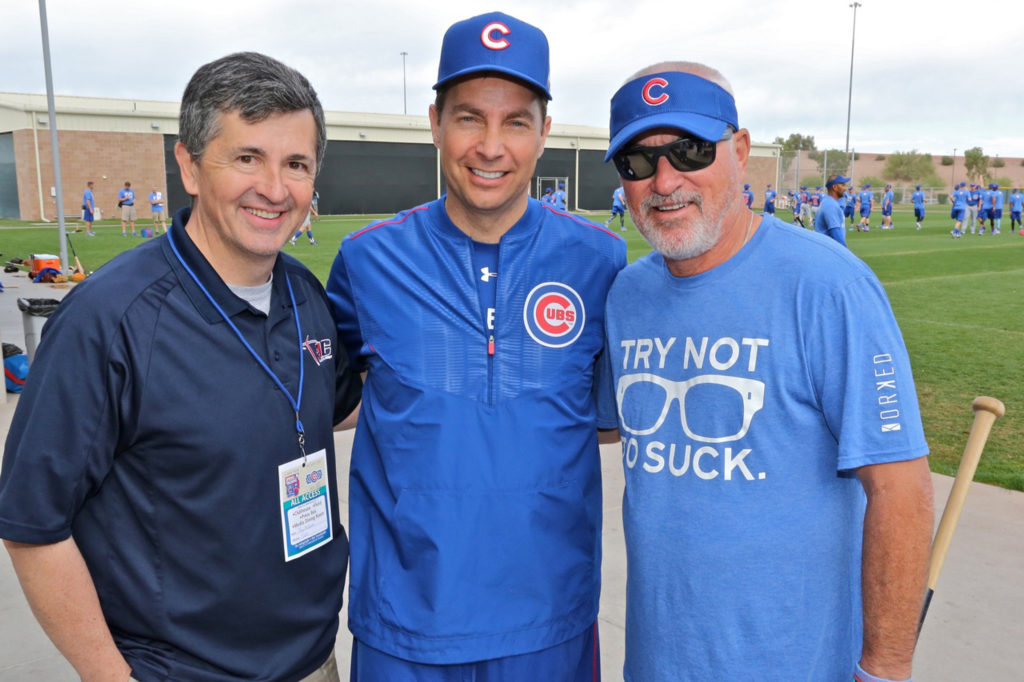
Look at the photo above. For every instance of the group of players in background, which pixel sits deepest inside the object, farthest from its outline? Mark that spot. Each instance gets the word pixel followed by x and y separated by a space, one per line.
pixel 972 206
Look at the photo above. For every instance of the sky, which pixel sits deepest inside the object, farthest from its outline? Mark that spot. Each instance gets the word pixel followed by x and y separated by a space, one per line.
pixel 925 77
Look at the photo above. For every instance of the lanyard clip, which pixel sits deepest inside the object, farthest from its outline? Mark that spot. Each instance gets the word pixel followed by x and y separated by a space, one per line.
pixel 302 437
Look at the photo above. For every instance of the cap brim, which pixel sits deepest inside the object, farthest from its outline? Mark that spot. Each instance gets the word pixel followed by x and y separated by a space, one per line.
pixel 704 127
pixel 511 73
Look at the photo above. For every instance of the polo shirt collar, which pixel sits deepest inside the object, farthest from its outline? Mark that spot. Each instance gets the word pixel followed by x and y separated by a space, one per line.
pixel 230 303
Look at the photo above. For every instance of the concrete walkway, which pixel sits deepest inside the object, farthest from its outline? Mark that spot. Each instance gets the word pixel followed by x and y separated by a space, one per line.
pixel 975 627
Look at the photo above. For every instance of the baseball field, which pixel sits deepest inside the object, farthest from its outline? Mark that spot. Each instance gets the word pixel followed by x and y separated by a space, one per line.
pixel 960 304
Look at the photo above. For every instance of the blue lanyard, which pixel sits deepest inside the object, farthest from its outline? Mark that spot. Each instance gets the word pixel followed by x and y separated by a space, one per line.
pixel 296 403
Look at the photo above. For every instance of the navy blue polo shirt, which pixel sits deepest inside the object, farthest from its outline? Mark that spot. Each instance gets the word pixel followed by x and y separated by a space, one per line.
pixel 150 434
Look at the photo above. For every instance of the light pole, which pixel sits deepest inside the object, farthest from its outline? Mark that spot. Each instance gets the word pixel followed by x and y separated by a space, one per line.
pixel 405 109
pixel 952 171
pixel 849 97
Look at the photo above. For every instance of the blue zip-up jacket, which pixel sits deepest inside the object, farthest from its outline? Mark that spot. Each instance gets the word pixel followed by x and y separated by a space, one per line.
pixel 475 490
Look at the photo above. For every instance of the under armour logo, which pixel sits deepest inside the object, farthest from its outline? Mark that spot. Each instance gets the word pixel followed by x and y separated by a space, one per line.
pixel 485 274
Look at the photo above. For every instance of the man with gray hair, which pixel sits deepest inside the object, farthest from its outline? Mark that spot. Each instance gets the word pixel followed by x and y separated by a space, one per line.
pixel 179 521
pixel 777 510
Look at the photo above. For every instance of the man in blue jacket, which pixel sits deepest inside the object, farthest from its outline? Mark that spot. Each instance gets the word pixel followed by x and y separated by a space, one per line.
pixel 475 496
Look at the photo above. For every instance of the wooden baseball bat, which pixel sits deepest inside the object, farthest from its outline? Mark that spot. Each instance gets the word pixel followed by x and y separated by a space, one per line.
pixel 986 411
pixel 78 263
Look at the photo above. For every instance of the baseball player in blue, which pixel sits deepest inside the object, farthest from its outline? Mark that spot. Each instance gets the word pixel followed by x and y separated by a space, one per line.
pixel 829 219
pixel 619 209
pixel 769 200
pixel 475 491
pixel 547 197
pixel 1016 199
pixel 560 199
pixel 959 199
pixel 850 205
pixel 777 513
pixel 986 207
pixel 887 198
pixel 918 199
pixel 798 208
pixel 997 208
pixel 748 196
pixel 805 207
pixel 866 198
pixel 816 198
pixel 973 204
pixel 88 209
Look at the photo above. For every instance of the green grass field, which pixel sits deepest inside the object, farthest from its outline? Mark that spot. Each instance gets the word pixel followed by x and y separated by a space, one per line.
pixel 959 303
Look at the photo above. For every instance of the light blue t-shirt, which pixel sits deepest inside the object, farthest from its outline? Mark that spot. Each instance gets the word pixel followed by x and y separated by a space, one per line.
pixel 959 199
pixel 618 198
pixel 866 197
pixel 748 395
pixel 1015 202
pixel 918 199
pixel 830 220
pixel 559 199
pixel 997 199
pixel 88 200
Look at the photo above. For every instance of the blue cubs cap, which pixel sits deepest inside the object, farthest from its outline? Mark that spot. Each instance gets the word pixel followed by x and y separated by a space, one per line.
pixel 670 99
pixel 746 186
pixel 803 186
pixel 839 179
pixel 865 186
pixel 495 42
pixel 918 187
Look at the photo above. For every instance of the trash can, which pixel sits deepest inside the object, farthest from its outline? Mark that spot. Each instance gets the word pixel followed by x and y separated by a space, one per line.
pixel 34 312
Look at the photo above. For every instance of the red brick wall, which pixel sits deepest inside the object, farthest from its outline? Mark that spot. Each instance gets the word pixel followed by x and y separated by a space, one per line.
pixel 108 159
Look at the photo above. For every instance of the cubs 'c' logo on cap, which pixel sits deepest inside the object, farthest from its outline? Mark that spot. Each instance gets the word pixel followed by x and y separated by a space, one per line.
pixel 554 315
pixel 648 91
pixel 487 36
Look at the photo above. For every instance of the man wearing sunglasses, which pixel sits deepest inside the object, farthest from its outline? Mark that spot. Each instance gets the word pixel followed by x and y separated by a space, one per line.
pixel 773 451
pixel 475 503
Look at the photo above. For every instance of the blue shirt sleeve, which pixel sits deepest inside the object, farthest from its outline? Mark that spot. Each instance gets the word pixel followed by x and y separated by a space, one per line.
pixel 343 309
pixel 868 396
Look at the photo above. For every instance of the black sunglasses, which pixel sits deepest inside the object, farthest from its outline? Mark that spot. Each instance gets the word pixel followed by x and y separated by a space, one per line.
pixel 685 154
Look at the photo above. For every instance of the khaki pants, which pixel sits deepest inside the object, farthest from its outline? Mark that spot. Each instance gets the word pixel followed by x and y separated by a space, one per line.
pixel 328 672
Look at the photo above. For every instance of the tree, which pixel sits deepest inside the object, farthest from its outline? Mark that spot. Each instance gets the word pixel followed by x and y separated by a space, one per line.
pixel 793 143
pixel 837 160
pixel 796 141
pixel 908 166
pixel 948 161
pixel 976 164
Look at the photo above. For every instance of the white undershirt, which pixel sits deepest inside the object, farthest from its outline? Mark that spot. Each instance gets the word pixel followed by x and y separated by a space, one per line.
pixel 258 297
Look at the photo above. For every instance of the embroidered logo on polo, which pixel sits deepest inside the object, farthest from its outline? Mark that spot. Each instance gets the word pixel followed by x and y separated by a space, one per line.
pixel 648 92
pixel 554 314
pixel 318 350
pixel 487 36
